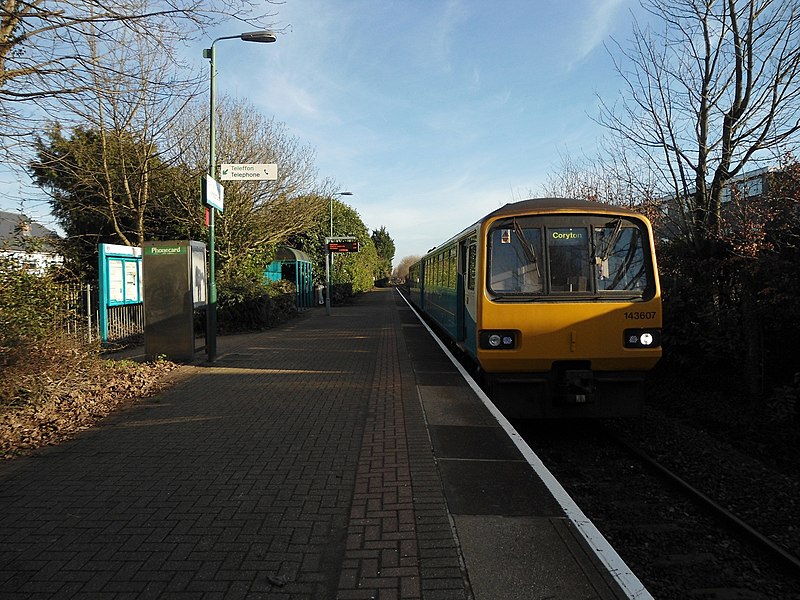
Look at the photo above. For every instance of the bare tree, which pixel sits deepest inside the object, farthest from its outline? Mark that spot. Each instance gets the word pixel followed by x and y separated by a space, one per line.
pixel 401 270
pixel 113 164
pixel 45 46
pixel 714 90
pixel 258 214
pixel 607 177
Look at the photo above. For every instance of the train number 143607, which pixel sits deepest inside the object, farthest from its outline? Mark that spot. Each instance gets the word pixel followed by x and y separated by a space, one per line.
pixel 640 315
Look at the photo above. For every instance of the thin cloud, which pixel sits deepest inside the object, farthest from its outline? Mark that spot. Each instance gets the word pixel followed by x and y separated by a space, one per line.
pixel 599 19
pixel 442 36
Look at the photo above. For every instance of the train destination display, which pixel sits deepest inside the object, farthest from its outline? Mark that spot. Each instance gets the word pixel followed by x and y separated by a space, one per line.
pixel 343 246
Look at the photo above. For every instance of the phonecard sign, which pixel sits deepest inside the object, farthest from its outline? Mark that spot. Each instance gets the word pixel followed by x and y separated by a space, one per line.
pixel 343 246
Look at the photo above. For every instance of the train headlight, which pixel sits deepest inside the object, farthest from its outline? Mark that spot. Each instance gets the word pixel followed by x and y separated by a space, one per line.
pixel 498 340
pixel 642 338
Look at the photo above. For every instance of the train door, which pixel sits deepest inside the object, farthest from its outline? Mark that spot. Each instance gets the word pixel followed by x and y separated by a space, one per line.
pixel 467 305
pixel 461 262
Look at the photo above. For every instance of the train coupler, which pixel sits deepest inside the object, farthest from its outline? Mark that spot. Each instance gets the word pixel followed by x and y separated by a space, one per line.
pixel 578 387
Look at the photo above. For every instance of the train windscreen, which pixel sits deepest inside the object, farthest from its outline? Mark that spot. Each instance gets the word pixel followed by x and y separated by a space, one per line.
pixel 568 255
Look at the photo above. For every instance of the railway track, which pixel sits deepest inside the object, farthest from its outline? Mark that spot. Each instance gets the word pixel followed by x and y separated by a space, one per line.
pixel 678 547
pixel 773 552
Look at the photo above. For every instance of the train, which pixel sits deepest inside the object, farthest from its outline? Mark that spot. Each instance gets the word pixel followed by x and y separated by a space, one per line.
pixel 555 302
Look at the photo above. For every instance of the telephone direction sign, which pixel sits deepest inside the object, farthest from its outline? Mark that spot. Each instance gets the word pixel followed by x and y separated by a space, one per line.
pixel 256 172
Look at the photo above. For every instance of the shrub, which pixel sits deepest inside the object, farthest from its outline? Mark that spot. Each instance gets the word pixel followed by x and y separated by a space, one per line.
pixel 244 305
pixel 31 308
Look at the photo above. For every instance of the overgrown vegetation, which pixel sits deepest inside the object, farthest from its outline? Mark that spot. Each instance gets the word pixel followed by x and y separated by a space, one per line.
pixel 245 305
pixel 52 384
pixel 29 306
pixel 733 314
pixel 731 364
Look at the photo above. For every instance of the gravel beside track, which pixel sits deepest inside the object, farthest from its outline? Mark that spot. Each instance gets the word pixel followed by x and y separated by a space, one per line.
pixel 676 549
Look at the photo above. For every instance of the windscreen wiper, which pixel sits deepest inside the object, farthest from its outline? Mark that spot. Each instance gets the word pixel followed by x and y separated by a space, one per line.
pixel 527 247
pixel 612 241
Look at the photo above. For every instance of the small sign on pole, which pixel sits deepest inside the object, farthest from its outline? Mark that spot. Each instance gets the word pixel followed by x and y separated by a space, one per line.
pixel 252 172
pixel 213 193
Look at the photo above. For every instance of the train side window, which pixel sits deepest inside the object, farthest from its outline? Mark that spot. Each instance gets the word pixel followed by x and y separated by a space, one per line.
pixel 452 268
pixel 428 273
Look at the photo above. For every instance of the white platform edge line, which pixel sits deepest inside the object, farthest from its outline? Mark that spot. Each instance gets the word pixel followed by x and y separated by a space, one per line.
pixel 605 553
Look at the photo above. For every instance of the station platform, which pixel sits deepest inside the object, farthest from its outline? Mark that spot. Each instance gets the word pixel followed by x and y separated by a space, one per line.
pixel 338 456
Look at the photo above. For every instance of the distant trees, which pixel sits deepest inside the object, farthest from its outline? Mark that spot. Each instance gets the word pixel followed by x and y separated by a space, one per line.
pixel 384 245
pixel 401 270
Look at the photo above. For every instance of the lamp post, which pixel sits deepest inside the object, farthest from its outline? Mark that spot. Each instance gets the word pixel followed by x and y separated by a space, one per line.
pixel 263 37
pixel 329 259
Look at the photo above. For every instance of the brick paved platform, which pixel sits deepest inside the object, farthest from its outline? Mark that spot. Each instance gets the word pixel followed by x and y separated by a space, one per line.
pixel 335 457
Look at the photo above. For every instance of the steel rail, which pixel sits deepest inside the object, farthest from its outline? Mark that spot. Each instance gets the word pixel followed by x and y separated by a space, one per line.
pixel 786 560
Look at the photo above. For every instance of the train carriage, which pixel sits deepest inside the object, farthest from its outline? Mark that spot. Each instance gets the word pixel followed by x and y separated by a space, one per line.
pixel 557 302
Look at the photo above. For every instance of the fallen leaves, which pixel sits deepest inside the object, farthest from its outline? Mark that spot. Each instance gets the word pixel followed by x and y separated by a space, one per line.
pixel 57 392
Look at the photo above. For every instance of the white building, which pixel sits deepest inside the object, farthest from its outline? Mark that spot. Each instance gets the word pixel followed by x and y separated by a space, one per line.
pixel 28 242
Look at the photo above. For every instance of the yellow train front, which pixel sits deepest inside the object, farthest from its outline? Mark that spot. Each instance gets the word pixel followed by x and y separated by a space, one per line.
pixel 557 301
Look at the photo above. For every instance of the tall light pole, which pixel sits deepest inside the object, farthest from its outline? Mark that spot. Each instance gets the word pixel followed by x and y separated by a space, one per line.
pixel 329 259
pixel 263 37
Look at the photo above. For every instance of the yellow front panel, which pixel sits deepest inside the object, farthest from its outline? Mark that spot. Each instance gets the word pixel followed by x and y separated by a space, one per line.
pixel 569 331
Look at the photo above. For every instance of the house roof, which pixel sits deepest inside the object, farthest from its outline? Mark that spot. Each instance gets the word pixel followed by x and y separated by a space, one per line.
pixel 14 226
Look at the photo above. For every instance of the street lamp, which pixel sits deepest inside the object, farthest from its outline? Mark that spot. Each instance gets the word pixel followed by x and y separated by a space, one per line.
pixel 329 259
pixel 263 37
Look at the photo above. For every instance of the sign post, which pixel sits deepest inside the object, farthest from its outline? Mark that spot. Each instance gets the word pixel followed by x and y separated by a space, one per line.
pixel 213 198
pixel 335 244
pixel 262 37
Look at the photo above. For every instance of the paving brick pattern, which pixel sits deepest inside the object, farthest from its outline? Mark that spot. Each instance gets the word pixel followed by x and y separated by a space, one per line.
pixel 297 466
pixel 400 542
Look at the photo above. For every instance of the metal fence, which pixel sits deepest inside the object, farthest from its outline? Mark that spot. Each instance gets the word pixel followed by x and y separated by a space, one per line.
pixel 81 317
pixel 77 315
pixel 125 322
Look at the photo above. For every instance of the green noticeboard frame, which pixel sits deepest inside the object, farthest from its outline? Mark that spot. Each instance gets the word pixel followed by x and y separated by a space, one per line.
pixel 120 269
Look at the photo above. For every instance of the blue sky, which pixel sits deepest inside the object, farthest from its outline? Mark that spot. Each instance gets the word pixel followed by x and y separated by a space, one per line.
pixel 432 113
